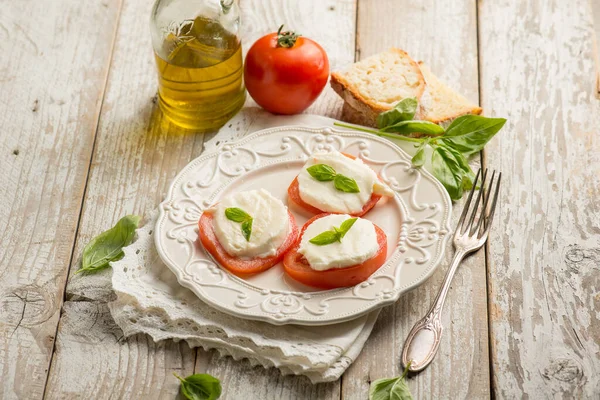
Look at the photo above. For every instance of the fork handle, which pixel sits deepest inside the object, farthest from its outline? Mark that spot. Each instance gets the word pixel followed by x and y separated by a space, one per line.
pixel 423 340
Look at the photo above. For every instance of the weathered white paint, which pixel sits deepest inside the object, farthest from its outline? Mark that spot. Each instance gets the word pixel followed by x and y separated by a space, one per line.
pixel 461 367
pixel 537 68
pixel 136 156
pixel 596 23
pixel 53 70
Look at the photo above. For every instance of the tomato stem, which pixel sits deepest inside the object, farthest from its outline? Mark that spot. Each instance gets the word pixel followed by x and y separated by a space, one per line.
pixel 286 39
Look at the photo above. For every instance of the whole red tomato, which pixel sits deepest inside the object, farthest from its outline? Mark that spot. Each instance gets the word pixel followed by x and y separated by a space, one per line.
pixel 285 72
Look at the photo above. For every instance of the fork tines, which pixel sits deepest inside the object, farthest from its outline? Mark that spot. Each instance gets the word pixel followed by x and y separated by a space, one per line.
pixel 481 208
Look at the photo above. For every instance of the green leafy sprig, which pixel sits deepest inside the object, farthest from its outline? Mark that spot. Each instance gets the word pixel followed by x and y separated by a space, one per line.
pixel 238 215
pixel 334 235
pixel 200 387
pixel 108 246
pixel 464 137
pixel 391 388
pixel 325 173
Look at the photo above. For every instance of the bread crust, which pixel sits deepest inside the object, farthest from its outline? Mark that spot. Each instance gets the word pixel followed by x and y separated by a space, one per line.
pixel 363 110
pixel 368 107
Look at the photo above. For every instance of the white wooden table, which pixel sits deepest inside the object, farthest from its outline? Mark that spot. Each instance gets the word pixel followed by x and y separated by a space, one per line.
pixel 81 144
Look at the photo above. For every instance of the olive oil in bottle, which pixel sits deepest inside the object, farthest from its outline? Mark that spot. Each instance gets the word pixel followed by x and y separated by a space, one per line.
pixel 200 73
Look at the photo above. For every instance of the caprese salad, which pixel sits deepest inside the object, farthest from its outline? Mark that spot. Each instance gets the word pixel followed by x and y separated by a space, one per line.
pixel 336 250
pixel 251 231
pixel 337 183
pixel 248 232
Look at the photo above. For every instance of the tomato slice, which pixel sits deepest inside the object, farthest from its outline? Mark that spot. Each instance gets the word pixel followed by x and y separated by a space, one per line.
pixel 296 266
pixel 233 264
pixel 294 195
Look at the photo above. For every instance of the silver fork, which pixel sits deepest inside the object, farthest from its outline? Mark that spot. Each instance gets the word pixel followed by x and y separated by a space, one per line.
pixel 424 338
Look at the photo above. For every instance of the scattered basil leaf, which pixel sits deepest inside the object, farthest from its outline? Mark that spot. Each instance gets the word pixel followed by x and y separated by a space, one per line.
pixel 408 127
pixel 325 238
pixel 345 226
pixel 108 245
pixel 390 388
pixel 448 171
pixel 236 214
pixel 200 387
pixel 321 172
pixel 403 111
pixel 334 235
pixel 345 184
pixel 247 228
pixel 470 133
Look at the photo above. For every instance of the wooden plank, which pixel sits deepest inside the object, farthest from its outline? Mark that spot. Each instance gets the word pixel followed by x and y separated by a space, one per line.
pixel 460 369
pixel 537 68
pixel 596 14
pixel 332 24
pixel 52 77
pixel 137 154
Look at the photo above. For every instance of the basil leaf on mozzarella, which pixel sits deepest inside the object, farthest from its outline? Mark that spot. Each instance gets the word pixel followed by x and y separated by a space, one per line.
pixel 238 215
pixel 345 184
pixel 334 235
pixel 322 172
pixel 325 173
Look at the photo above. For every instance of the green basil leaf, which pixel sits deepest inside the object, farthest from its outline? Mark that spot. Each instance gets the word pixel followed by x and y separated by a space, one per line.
pixel 108 245
pixel 400 391
pixel 418 159
pixel 200 387
pixel 247 228
pixel 408 127
pixel 469 175
pixel 236 214
pixel 448 171
pixel 381 388
pixel 390 388
pixel 326 238
pixel 345 226
pixel 469 133
pixel 403 111
pixel 345 184
pixel 321 172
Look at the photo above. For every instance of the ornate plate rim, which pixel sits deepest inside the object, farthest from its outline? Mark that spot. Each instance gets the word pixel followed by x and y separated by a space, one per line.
pixel 390 297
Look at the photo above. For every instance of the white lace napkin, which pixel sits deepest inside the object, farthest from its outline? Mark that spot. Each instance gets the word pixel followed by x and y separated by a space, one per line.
pixel 149 300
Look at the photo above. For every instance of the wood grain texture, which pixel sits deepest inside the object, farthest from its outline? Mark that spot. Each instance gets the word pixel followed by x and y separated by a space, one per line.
pixel 537 68
pixel 596 14
pixel 52 76
pixel 137 154
pixel 461 367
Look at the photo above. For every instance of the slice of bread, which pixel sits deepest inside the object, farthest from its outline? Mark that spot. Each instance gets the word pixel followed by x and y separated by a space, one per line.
pixel 440 103
pixel 379 82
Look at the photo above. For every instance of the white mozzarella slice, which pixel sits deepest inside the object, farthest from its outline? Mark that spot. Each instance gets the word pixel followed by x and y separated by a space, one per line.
pixel 270 225
pixel 324 195
pixel 358 245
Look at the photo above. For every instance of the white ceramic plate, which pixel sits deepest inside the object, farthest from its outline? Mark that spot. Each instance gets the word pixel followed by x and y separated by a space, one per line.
pixel 415 221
